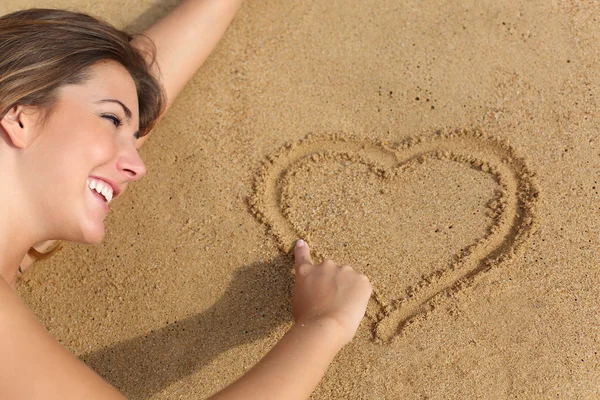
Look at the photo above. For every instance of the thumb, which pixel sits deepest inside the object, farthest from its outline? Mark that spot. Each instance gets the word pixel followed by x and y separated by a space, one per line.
pixel 302 254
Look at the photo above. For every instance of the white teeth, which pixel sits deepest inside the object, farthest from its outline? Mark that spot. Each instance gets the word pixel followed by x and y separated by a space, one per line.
pixel 107 193
pixel 102 188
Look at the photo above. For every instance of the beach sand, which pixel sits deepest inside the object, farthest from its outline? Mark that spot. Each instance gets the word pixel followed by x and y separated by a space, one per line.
pixel 449 150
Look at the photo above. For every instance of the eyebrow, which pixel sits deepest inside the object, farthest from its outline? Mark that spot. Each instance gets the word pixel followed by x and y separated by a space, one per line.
pixel 127 110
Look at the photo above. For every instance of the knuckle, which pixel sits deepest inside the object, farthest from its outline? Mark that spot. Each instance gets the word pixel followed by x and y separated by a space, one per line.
pixel 365 280
pixel 328 262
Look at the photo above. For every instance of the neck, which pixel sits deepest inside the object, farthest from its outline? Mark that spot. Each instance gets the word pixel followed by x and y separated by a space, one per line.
pixel 19 225
pixel 15 241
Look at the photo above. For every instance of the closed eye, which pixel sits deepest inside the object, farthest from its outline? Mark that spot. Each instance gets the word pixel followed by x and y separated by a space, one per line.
pixel 115 120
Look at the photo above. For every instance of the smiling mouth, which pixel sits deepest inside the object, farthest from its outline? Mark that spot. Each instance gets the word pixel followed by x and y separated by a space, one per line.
pixel 101 189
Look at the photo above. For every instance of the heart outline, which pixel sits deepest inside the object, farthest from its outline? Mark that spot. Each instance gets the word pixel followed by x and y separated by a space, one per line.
pixel 513 222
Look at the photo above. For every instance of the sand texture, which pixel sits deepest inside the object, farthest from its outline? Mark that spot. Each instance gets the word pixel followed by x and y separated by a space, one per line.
pixel 448 150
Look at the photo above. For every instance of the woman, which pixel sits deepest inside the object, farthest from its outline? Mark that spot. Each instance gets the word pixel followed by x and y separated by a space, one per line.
pixel 75 96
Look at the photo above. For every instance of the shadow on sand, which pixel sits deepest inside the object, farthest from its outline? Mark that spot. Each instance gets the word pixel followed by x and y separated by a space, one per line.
pixel 257 300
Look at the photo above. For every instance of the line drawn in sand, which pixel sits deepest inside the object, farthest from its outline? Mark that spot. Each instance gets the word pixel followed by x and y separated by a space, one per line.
pixel 513 218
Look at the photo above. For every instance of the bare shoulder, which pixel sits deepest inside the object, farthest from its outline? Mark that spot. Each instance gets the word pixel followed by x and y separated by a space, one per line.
pixel 34 365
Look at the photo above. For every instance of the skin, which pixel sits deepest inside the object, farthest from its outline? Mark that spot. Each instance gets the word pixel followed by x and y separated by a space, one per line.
pixel 179 54
pixel 45 196
pixel 44 185
pixel 328 305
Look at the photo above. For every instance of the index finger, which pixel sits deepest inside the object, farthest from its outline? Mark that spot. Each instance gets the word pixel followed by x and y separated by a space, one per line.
pixel 302 254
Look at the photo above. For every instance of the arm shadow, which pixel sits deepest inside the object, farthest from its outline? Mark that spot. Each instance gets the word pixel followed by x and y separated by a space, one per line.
pixel 257 300
pixel 150 16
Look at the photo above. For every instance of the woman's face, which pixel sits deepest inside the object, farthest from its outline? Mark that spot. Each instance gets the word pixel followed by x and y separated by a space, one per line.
pixel 89 141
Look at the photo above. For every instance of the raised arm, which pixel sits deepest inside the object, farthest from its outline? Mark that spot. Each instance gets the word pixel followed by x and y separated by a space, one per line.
pixel 184 39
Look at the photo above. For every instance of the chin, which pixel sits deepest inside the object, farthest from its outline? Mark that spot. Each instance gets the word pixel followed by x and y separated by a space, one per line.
pixel 91 235
pixel 94 239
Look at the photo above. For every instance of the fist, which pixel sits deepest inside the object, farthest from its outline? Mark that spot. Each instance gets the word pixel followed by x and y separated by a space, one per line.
pixel 329 292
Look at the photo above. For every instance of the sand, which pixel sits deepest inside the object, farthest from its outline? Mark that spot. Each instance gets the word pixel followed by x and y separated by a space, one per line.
pixel 449 150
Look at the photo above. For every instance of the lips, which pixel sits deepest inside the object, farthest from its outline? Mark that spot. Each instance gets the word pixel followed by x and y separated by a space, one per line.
pixel 113 185
pixel 104 190
pixel 106 187
pixel 101 188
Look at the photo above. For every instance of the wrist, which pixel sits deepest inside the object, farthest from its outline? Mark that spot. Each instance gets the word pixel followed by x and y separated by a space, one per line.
pixel 330 331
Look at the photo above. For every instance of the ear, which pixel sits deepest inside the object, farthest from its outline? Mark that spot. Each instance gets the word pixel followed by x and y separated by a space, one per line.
pixel 20 123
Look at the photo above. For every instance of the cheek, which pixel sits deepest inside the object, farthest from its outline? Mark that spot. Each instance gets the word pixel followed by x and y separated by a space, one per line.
pixel 100 147
pixel 101 152
pixel 80 144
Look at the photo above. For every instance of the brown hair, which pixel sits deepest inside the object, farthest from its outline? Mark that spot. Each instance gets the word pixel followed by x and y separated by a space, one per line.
pixel 42 50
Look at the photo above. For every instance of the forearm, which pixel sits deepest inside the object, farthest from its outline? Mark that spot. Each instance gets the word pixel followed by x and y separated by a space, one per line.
pixel 292 369
pixel 33 365
pixel 185 37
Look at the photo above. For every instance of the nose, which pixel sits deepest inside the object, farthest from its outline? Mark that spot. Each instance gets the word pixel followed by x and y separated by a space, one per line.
pixel 130 164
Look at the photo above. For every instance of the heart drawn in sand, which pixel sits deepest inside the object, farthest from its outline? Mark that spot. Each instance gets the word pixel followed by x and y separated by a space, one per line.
pixel 507 222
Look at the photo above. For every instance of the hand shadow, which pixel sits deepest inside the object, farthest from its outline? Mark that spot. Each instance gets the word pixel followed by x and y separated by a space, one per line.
pixel 257 300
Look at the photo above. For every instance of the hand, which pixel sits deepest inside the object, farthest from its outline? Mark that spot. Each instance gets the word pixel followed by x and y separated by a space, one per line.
pixel 327 293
